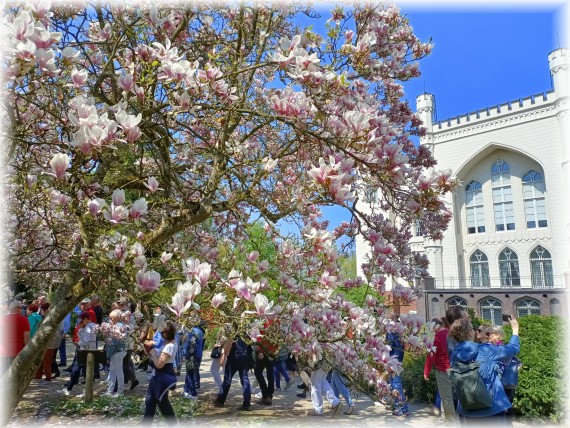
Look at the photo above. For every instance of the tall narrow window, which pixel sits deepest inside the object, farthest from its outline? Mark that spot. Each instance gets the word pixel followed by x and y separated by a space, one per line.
pixel 418 228
pixel 370 195
pixel 474 208
pixel 555 307
pixel 527 307
pixel 435 309
pixel 541 268
pixel 509 268
pixel 491 310
pixel 534 191
pixel 479 270
pixel 502 197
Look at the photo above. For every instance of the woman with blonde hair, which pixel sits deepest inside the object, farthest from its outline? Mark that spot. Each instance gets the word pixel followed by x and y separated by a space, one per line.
pixel 488 356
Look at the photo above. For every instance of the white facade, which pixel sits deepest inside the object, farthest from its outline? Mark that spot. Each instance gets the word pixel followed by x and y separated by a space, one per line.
pixel 522 214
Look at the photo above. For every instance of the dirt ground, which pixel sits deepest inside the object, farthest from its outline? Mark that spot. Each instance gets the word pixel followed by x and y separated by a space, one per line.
pixel 287 410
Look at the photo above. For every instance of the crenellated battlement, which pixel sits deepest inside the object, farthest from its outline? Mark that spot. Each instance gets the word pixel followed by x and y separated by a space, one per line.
pixel 498 111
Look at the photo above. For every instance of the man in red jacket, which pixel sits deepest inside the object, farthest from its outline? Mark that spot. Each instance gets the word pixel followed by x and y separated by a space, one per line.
pixel 440 359
pixel 15 329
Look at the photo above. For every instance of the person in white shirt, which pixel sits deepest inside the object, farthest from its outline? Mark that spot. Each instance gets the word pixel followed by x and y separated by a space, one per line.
pixel 87 334
pixel 164 378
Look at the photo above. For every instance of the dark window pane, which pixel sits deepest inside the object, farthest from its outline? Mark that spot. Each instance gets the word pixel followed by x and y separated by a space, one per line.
pixel 500 227
pixel 530 224
pixel 542 223
pixel 481 229
pixel 510 226
pixel 471 230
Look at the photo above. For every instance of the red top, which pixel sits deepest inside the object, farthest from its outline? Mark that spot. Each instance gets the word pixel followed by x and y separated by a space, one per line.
pixel 265 345
pixel 13 327
pixel 440 358
pixel 92 315
pixel 75 338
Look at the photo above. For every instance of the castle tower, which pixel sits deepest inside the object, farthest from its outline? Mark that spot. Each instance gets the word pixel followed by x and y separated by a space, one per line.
pixel 425 106
pixel 559 63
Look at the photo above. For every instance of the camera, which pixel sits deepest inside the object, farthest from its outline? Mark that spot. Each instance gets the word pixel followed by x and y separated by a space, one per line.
pixel 506 318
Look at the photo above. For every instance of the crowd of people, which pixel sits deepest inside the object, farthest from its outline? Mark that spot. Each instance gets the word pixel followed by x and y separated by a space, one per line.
pixel 160 347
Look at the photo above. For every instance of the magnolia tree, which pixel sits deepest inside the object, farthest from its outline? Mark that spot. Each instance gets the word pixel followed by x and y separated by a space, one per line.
pixel 142 142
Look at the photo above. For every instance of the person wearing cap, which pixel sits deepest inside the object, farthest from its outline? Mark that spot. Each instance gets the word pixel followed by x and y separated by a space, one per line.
pixel 15 329
pixel 85 306
pixel 87 340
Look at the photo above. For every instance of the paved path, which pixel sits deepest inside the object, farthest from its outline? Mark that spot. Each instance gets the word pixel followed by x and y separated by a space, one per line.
pixel 287 409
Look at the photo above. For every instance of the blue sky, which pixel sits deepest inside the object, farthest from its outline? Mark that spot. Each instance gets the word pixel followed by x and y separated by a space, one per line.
pixel 485 53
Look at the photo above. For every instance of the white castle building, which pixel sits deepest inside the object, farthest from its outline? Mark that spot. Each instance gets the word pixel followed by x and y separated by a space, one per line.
pixel 507 249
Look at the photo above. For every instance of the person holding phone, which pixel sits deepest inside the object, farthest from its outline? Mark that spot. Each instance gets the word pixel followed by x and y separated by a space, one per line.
pixel 489 356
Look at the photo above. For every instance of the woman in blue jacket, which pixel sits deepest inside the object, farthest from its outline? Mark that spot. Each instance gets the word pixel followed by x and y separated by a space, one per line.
pixel 488 356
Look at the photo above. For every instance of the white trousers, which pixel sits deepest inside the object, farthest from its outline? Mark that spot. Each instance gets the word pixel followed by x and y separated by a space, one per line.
pixel 116 372
pixel 320 387
pixel 215 370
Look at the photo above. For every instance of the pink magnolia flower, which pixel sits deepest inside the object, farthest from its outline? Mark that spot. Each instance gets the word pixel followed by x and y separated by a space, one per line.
pixel 117 214
pixel 253 256
pixel 263 265
pixel 203 273
pixel 255 333
pixel 152 184
pixel 78 78
pixel 234 277
pixel 59 164
pixel 165 257
pixel 242 290
pixel 262 305
pixel 140 236
pixel 179 305
pixel 139 208
pixel 218 299
pixel 95 206
pixel 129 124
pixel 118 197
pixel 190 267
pixel 189 289
pixel 126 82
pixel 148 281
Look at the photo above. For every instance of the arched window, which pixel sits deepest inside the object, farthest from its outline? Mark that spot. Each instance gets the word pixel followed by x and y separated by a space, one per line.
pixel 370 195
pixel 534 191
pixel 479 270
pixel 502 196
pixel 474 208
pixel 457 301
pixel 555 307
pixel 509 268
pixel 541 268
pixel 527 307
pixel 435 309
pixel 491 311
pixel 418 228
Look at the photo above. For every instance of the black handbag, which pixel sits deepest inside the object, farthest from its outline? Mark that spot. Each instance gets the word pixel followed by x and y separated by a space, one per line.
pixel 216 352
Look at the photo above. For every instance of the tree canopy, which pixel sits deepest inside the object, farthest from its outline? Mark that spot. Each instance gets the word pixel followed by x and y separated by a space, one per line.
pixel 144 142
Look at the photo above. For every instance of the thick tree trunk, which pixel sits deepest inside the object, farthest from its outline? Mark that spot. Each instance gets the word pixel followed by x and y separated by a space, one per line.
pixel 15 382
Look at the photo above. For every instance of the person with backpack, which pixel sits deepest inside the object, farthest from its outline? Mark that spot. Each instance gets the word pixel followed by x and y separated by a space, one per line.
pixel 237 357
pixel 475 379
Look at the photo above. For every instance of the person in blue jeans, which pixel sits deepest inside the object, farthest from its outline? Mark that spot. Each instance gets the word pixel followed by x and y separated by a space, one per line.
pixel 193 353
pixel 236 353
pixel 280 369
pixel 395 342
pixel 338 384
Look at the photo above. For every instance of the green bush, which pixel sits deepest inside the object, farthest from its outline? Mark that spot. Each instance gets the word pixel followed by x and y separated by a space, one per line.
pixel 416 388
pixel 542 388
